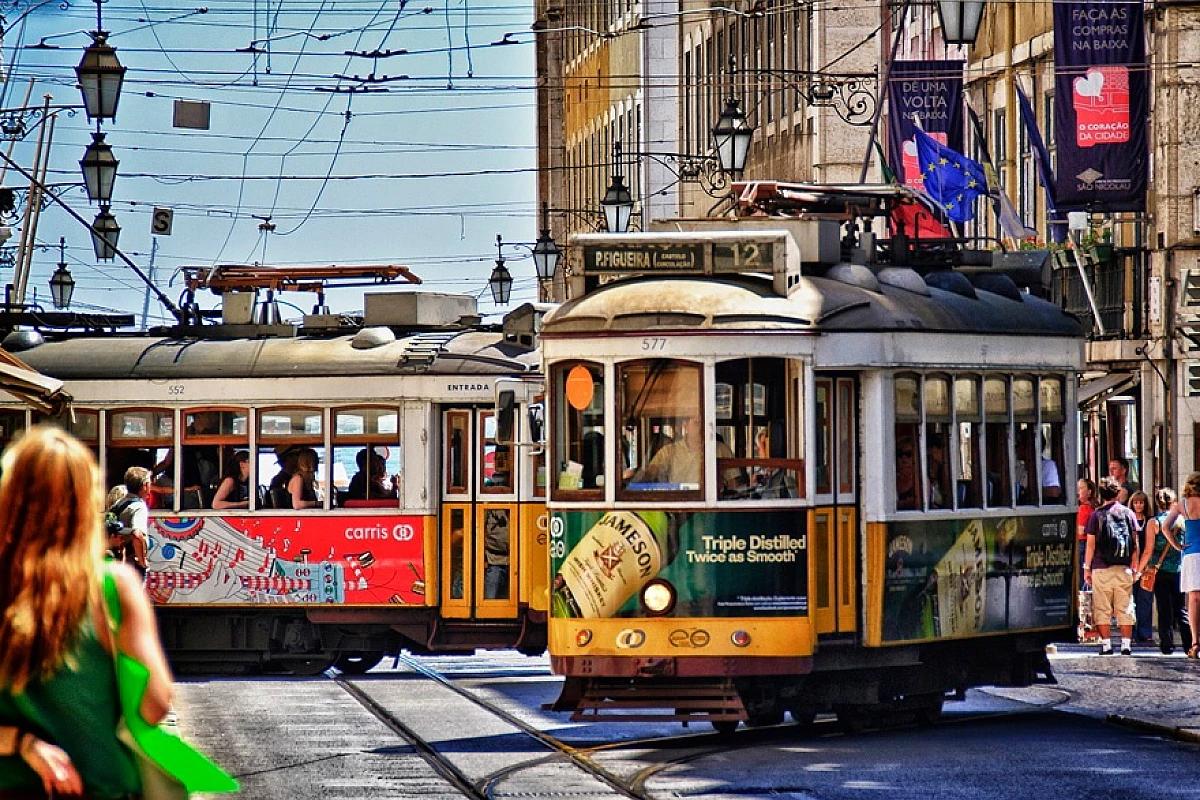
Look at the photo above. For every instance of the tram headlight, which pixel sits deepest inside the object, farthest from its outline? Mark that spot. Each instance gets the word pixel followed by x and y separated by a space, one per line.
pixel 740 639
pixel 582 637
pixel 658 596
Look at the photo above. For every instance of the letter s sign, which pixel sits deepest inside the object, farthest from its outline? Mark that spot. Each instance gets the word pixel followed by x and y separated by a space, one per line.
pixel 160 221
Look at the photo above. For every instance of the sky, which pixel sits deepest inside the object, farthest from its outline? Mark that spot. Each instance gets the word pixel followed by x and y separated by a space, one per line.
pixel 424 170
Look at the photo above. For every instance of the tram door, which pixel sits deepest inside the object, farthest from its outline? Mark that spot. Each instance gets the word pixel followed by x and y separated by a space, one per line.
pixel 479 557
pixel 833 577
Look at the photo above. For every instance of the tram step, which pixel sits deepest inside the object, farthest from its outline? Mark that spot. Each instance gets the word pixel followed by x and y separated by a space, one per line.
pixel 621 701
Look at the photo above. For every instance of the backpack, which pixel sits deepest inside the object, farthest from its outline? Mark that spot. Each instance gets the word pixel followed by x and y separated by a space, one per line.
pixel 1116 541
pixel 114 525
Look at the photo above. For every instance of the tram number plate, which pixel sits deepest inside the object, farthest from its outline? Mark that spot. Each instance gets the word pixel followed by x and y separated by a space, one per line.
pixel 743 257
pixel 654 344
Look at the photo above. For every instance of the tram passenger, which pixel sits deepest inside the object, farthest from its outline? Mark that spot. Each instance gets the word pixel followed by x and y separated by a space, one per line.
pixel 58 693
pixel 201 462
pixel 302 487
pixel 938 477
pixel 496 547
pixel 277 490
pixel 906 475
pixel 369 482
pixel 234 491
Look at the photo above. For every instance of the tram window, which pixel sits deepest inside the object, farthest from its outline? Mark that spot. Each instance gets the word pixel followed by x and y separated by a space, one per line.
pixel 579 443
pixel 83 425
pixel 937 441
pixel 753 458
pixel 291 443
pixel 210 438
pixel 968 418
pixel 497 548
pixel 496 459
pixel 823 413
pixel 906 396
pixel 1025 435
pixel 458 434
pixel 663 427
pixel 142 438
pixel 367 463
pixel 1053 419
pixel 996 441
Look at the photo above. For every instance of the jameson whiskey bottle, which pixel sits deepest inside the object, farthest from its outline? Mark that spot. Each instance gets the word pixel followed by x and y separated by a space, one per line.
pixel 959 601
pixel 613 561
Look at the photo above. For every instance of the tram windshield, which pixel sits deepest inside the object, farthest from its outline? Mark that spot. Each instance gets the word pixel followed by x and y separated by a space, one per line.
pixel 662 426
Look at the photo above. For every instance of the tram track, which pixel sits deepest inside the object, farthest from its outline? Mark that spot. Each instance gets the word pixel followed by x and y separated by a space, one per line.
pixel 670 751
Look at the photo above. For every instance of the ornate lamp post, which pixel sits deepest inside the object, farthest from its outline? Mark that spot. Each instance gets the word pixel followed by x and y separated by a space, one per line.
pixel 99 170
pixel 62 285
pixel 617 202
pixel 960 20
pixel 105 232
pixel 501 280
pixel 100 75
pixel 732 135
pixel 545 250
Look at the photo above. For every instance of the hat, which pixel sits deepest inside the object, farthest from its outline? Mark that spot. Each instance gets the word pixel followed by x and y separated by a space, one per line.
pixel 282 450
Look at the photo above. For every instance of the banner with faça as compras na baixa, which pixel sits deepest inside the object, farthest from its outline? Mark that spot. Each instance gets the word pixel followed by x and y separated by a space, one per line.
pixel 1101 105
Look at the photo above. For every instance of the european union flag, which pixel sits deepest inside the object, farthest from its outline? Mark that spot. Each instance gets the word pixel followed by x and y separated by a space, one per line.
pixel 951 179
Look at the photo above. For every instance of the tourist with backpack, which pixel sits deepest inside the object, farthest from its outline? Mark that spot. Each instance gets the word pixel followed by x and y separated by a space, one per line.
pixel 129 520
pixel 1112 550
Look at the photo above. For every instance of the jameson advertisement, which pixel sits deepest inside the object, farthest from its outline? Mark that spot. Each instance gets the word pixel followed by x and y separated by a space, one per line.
pixel 956 578
pixel 728 564
pixel 929 92
pixel 1101 103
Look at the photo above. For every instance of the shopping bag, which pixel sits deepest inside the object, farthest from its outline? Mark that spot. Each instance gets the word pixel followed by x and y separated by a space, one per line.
pixel 170 768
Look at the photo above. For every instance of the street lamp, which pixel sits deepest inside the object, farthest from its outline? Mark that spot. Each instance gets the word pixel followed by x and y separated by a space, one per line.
pixel 501 280
pixel 617 202
pixel 545 250
pixel 732 135
pixel 62 285
pixel 960 20
pixel 99 170
pixel 105 232
pixel 100 75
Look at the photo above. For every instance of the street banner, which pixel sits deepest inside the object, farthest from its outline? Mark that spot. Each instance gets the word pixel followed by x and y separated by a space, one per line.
pixel 930 92
pixel 1101 106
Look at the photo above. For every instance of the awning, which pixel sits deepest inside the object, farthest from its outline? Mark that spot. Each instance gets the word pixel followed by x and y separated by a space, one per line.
pixel 1093 391
pixel 22 381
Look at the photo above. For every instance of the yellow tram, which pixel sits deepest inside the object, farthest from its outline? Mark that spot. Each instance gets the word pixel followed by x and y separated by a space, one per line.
pixel 797 471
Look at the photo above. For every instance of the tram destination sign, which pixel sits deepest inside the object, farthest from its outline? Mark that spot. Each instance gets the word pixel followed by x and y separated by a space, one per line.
pixel 644 257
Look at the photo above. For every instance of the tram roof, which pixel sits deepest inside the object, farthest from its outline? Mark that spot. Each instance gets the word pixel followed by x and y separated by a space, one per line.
pixel 817 305
pixel 433 352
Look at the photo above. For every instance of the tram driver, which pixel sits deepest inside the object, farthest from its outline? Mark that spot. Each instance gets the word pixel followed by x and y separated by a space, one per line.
pixel 680 463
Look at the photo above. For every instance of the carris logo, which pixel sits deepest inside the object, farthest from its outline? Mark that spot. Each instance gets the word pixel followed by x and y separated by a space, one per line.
pixel 696 637
pixel 630 638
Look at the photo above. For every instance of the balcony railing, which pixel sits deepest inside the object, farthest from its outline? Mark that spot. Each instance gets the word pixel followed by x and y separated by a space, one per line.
pixel 1117 278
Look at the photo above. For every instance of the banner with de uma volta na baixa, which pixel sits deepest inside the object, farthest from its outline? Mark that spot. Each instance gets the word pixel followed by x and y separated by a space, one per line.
pixel 1101 103
pixel 929 92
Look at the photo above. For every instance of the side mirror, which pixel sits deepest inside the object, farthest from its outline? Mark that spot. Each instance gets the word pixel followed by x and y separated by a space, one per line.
pixel 537 423
pixel 506 416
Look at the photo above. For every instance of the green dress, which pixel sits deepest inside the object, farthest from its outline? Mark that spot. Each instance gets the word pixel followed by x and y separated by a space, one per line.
pixel 77 709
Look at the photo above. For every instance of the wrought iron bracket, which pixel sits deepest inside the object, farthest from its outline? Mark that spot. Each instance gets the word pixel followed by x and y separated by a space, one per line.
pixel 853 96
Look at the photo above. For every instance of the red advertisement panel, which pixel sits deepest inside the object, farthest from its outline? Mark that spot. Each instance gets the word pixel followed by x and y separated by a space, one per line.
pixel 258 560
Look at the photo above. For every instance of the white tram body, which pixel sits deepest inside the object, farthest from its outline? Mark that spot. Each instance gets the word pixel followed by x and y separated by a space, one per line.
pixel 450 557
pixel 783 482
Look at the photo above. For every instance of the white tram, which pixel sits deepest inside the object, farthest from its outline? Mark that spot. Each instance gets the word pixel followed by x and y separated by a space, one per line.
pixel 795 472
pixel 449 556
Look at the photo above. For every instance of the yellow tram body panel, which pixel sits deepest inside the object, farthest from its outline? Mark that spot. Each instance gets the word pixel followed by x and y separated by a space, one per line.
pixel 534 572
pixel 665 637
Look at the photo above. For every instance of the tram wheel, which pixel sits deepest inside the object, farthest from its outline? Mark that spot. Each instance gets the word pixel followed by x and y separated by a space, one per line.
pixel 930 712
pixel 765 719
pixel 725 727
pixel 304 667
pixel 853 719
pixel 358 663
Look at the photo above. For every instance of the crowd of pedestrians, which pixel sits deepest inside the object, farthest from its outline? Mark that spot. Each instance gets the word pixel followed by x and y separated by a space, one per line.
pixel 1137 557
